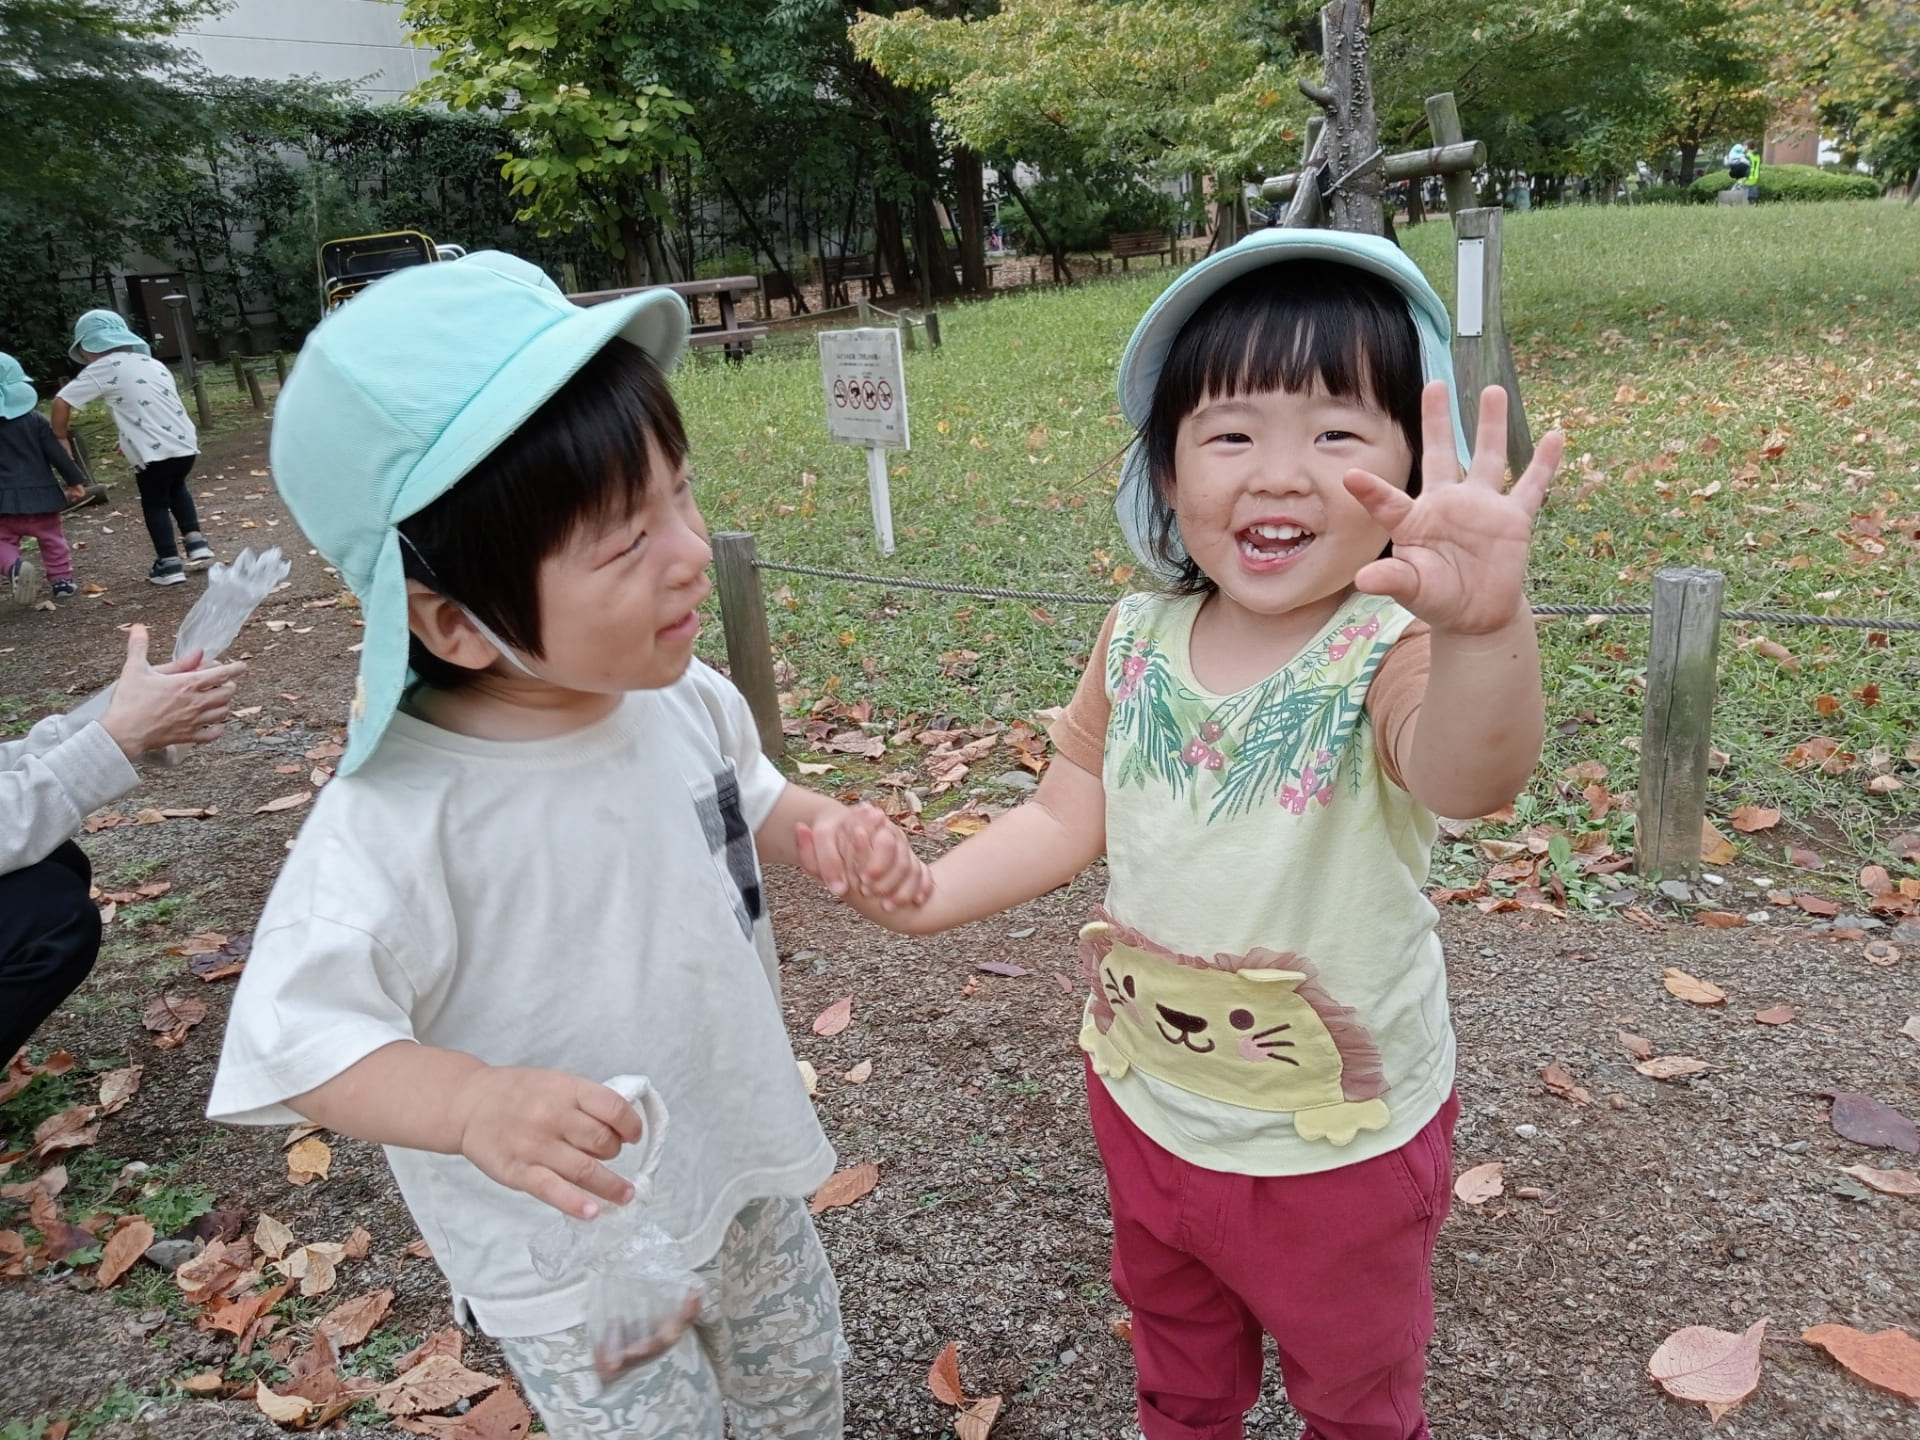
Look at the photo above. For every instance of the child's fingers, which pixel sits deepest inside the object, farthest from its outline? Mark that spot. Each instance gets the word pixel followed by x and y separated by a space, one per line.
pixel 1439 457
pixel 609 1109
pixel 1531 488
pixel 1490 443
pixel 1389 505
pixel 576 1184
pixel 818 860
pixel 1392 577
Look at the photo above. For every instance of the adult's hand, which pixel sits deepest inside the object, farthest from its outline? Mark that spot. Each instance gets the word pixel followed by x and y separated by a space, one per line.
pixel 173 704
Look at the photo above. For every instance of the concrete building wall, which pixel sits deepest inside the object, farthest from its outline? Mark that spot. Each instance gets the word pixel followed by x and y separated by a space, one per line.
pixel 361 42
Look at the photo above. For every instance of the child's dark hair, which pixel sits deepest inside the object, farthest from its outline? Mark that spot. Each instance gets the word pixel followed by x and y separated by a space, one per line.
pixel 1281 327
pixel 581 457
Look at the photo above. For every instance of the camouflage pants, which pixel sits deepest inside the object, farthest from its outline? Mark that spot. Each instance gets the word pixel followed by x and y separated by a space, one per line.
pixel 764 1357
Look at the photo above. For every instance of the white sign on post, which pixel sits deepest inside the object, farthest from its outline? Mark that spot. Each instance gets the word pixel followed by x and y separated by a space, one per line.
pixel 1470 287
pixel 866 395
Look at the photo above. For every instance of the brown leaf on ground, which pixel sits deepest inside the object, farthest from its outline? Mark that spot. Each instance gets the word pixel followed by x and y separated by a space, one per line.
pixel 1814 905
pixel 284 802
pixel 213 1270
pixel 300 1132
pixel 170 1017
pixel 125 1246
pixel 205 943
pixel 117 1087
pixel 1875 880
pixel 1692 989
pixel 236 1317
pixel 977 1419
pixel 943 1377
pixel 1880 952
pixel 271 1237
pixel 1867 1121
pixel 418 1249
pixel 859 1074
pixel 1715 848
pixel 283 1410
pixel 1803 859
pixel 1638 1046
pixel 1672 1067
pixel 69 1130
pixel 1750 819
pixel 1481 1183
pixel 1720 919
pixel 358 1243
pixel 13 1254
pixel 349 1323
pixel 1710 1367
pixel 433 1384
pixel 844 1187
pixel 308 1161
pixel 1777 653
pixel 1002 968
pixel 1564 1085
pixel 207 1382
pixel 1887 1182
pixel 1776 1015
pixel 835 1018
pixel 1886 1359
pixel 449 1342
pixel 313 1266
pixel 502 1415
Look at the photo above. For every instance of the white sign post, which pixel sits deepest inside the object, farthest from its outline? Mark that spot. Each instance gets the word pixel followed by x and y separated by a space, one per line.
pixel 866 394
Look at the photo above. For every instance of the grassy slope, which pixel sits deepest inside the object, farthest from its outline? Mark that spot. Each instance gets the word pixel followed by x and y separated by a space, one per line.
pixel 1680 346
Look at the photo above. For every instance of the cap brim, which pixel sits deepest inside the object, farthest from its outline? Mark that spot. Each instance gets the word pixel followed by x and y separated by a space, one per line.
pixel 656 321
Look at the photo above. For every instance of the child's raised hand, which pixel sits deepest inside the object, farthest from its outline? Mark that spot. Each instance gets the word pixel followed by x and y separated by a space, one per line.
pixel 545 1132
pixel 858 851
pixel 1459 557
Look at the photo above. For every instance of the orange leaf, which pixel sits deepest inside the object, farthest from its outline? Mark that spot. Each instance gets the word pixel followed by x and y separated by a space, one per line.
pixel 1710 1367
pixel 284 802
pixel 350 1322
pixel 1715 848
pixel 124 1246
pixel 1803 859
pixel 1775 651
pixel 1827 705
pixel 1887 1182
pixel 1638 1046
pixel 1720 919
pixel 943 1378
pixel 1887 1359
pixel 1564 1085
pixel 1481 1183
pixel 1875 880
pixel 433 1384
pixel 1692 989
pixel 1750 818
pixel 308 1161
pixel 844 1187
pixel 1776 1015
pixel 835 1018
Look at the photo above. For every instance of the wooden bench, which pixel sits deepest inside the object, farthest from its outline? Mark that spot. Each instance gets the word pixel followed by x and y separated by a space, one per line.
pixel 832 272
pixel 726 330
pixel 1139 245
pixel 780 285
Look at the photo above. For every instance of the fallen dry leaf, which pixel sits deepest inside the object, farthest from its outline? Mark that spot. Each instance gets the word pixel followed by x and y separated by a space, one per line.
pixel 844 1187
pixel 835 1018
pixel 943 1377
pixel 435 1383
pixel 283 1410
pixel 117 1087
pixel 271 1237
pixel 313 1266
pixel 809 1076
pixel 207 1382
pixel 859 1074
pixel 449 1341
pixel 213 1270
pixel 71 1129
pixel 1815 905
pixel 1720 919
pixel 1638 1046
pixel 1887 1182
pixel 1803 859
pixel 977 1419
pixel 284 802
pixel 1776 1015
pixel 308 1161
pixel 502 1415
pixel 1749 819
pixel 1691 989
pixel 1886 1359
pixel 1710 1367
pixel 1672 1067
pixel 1867 1121
pixel 1481 1183
pixel 170 1017
pixel 358 1243
pixel 1912 1028
pixel 965 825
pixel 1715 848
pixel 125 1246
pixel 349 1323
pixel 1564 1085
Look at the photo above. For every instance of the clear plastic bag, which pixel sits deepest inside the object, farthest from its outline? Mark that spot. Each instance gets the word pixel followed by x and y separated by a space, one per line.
pixel 641 1294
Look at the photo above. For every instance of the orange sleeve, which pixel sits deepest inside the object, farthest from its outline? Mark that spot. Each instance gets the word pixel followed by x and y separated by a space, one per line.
pixel 1080 733
pixel 1394 697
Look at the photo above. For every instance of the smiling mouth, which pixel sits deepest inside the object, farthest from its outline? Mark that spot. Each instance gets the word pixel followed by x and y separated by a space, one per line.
pixel 1267 544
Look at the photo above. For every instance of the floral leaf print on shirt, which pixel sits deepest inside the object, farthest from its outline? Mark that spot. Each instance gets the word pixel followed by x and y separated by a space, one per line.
pixel 1279 742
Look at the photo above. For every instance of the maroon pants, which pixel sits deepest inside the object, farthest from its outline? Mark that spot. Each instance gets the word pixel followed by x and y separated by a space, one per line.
pixel 54 553
pixel 1335 1266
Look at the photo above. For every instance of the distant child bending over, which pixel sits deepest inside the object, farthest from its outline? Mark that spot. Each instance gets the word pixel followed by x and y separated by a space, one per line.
pixel 30 499
pixel 155 434
pixel 538 867
pixel 1259 750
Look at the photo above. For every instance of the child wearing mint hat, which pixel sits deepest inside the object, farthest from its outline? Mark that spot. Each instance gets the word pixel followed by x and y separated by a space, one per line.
pixel 1338 648
pixel 155 434
pixel 30 499
pixel 539 865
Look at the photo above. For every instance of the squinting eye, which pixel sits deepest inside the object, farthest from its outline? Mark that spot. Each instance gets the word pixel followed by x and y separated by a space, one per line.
pixel 638 541
pixel 1241 1019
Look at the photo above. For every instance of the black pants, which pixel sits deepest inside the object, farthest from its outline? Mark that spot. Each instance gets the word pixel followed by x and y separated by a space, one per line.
pixel 164 499
pixel 49 939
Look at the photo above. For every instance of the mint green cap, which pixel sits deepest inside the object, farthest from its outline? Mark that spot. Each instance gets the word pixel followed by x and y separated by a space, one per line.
pixel 99 331
pixel 17 397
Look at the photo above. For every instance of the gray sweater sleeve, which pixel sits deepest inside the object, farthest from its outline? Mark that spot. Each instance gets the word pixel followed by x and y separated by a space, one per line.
pixel 50 779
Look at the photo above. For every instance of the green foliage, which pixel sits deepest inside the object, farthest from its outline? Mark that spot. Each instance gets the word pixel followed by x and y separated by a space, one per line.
pixel 1795 182
pixel 39 1099
pixel 1666 195
pixel 172 1208
pixel 1079 213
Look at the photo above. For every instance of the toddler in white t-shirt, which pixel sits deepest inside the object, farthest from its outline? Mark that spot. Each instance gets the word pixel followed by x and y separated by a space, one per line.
pixel 538 867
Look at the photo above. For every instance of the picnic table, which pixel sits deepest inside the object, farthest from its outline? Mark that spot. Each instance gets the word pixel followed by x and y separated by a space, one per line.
pixel 726 330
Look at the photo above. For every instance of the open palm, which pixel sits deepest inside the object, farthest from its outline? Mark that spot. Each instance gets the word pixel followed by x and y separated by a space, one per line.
pixel 1459 558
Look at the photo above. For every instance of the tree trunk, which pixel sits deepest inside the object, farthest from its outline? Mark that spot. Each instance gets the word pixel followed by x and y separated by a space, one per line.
pixel 753 229
pixel 1347 97
pixel 929 237
pixel 1062 272
pixel 632 265
pixel 1416 203
pixel 968 185
pixel 889 244
pixel 1689 157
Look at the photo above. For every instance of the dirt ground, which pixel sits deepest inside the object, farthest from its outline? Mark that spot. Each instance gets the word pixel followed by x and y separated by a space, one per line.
pixel 1708 1202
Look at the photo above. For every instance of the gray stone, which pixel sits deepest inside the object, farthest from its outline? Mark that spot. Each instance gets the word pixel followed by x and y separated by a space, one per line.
pixel 1857 922
pixel 1016 780
pixel 1526 1132
pixel 1796 1147
pixel 1907 932
pixel 170 1255
pixel 1676 890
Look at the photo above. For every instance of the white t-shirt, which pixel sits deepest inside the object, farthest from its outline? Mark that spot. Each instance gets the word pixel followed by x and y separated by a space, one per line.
pixel 589 903
pixel 144 402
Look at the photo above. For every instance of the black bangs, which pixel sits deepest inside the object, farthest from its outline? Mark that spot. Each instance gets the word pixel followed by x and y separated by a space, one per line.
pixel 1288 326
pixel 582 458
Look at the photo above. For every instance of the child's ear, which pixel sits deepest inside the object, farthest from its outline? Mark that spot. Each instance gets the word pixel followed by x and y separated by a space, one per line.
pixel 443 628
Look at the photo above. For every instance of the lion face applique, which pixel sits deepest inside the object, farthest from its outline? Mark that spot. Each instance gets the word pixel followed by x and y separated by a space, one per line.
pixel 1256 1030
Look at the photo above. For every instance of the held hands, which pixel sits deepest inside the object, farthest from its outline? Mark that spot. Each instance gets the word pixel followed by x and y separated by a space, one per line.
pixel 857 853
pixel 178 703
pixel 545 1132
pixel 1459 557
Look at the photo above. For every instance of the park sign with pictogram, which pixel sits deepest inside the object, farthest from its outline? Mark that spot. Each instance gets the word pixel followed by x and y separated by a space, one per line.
pixel 866 389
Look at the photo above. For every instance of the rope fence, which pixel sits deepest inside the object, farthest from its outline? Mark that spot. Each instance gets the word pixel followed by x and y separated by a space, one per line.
pixel 1682 675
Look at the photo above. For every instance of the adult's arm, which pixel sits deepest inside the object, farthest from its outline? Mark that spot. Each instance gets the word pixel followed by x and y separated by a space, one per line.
pixel 53 777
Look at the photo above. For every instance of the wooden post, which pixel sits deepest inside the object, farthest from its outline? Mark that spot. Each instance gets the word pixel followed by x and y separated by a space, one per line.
pixel 254 392
pixel 933 329
pixel 239 371
pixel 1481 355
pixel 1682 676
pixel 866 311
pixel 280 366
pixel 905 326
pixel 201 402
pixel 743 615
pixel 1443 120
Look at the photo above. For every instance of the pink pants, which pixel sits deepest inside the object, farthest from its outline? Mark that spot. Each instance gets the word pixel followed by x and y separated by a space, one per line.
pixel 54 553
pixel 1336 1266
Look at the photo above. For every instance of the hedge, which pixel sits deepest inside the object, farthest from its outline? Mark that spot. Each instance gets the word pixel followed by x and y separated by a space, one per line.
pixel 1794 182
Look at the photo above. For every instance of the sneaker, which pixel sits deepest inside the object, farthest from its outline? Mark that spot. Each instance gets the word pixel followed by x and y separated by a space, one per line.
pixel 62 589
pixel 199 552
pixel 167 572
pixel 28 584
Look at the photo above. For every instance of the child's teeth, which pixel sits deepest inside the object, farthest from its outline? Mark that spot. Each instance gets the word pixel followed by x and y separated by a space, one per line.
pixel 1278 532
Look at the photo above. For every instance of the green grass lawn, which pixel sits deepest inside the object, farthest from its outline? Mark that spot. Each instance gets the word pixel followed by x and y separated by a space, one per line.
pixel 1740 387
